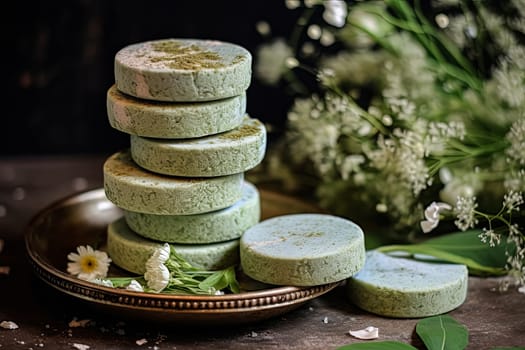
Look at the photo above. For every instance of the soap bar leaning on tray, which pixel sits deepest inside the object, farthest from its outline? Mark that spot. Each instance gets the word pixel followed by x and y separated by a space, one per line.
pixel 227 153
pixel 130 251
pixel 129 187
pixel 405 288
pixel 183 70
pixel 173 120
pixel 216 226
pixel 302 250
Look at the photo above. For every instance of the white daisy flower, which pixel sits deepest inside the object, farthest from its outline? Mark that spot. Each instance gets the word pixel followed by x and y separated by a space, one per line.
pixel 88 264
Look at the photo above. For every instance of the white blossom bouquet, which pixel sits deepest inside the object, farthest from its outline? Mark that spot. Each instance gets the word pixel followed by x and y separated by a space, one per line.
pixel 407 115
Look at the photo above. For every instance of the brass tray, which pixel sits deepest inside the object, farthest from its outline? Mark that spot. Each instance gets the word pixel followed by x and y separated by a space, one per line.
pixel 82 219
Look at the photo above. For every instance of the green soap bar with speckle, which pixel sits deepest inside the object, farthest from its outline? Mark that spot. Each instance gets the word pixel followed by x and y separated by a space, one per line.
pixel 302 250
pixel 231 152
pixel 216 226
pixel 130 187
pixel 183 70
pixel 173 120
pixel 131 251
pixel 404 288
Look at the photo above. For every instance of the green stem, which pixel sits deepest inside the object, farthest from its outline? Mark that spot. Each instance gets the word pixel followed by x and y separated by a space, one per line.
pixel 415 22
pixel 440 254
pixel 294 41
pixel 403 10
pixel 450 48
pixel 367 116
pixel 297 33
pixel 383 43
pixel 460 152
pixel 455 72
pixel 422 32
pixel 295 83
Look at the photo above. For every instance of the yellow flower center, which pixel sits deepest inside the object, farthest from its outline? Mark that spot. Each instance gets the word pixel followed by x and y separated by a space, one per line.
pixel 88 264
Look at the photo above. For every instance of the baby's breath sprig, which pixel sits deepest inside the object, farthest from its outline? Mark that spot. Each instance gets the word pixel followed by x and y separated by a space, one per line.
pixel 497 227
pixel 413 103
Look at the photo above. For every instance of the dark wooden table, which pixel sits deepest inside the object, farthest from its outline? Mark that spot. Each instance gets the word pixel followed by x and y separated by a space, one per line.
pixel 43 314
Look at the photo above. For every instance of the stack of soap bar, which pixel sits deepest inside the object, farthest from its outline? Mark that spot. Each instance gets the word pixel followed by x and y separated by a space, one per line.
pixel 183 103
pixel 405 288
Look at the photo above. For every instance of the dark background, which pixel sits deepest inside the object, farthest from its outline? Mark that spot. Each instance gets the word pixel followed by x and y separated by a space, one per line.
pixel 58 63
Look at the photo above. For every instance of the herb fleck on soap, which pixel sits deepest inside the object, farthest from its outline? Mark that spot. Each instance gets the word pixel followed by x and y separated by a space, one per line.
pixel 245 130
pixel 188 57
pixel 238 58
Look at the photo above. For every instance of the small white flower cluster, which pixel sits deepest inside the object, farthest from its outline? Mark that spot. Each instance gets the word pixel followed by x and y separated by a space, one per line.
pixel 272 63
pixel 488 235
pixel 277 57
pixel 467 216
pixel 465 209
pixel 516 137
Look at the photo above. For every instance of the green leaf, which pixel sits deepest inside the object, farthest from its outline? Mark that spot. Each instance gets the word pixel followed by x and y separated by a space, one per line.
pixel 442 332
pixel 215 281
pixel 231 278
pixel 378 345
pixel 461 248
pixel 220 280
pixel 121 282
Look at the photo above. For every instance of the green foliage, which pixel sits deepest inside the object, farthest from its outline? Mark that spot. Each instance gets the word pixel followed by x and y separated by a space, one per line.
pixel 442 332
pixel 461 248
pixel 223 279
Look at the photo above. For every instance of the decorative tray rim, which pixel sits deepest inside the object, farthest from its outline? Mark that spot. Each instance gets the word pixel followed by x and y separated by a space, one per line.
pixel 274 299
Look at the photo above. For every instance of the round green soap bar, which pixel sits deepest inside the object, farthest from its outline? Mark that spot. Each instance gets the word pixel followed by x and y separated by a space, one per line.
pixel 132 188
pixel 404 288
pixel 183 70
pixel 227 153
pixel 131 251
pixel 302 250
pixel 216 226
pixel 173 120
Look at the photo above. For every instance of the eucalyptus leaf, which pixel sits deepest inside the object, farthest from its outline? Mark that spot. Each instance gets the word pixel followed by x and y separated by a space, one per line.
pixel 461 248
pixel 442 332
pixel 378 345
